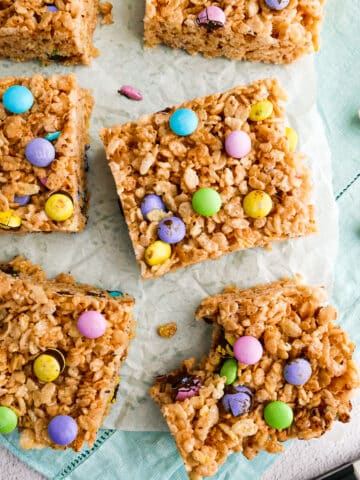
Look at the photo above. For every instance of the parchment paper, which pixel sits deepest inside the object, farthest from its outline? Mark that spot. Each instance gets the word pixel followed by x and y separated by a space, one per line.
pixel 103 255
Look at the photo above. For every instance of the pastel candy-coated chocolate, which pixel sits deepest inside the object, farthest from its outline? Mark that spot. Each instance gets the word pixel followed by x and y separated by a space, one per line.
pixel 131 92
pixel 91 324
pixel 46 368
pixel 277 4
pixel 157 253
pixel 278 415
pixel 211 17
pixel 8 220
pixel 115 293
pixel 206 202
pixel 238 403
pixel 298 371
pixel 237 144
pixel 183 122
pixel 229 370
pixel 40 152
pixel 248 350
pixel 62 429
pixel 151 202
pixel 292 138
pixel 171 230
pixel 191 387
pixel 59 207
pixel 8 420
pixel 261 111
pixel 22 199
pixel 52 8
pixel 52 136
pixel 257 204
pixel 17 99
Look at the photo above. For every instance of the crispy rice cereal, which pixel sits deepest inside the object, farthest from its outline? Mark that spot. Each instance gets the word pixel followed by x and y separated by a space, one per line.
pixel 252 30
pixel 59 105
pixel 147 157
pixel 29 30
pixel 37 314
pixel 291 321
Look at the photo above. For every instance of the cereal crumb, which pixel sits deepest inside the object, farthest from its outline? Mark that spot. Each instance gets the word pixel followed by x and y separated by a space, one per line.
pixel 105 9
pixel 168 330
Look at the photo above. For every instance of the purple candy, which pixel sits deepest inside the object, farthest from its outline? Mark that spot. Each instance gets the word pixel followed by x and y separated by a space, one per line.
pixel 171 230
pixel 248 350
pixel 238 403
pixel 151 202
pixel 43 180
pixel 212 18
pixel 62 429
pixel 298 371
pixel 189 387
pixel 40 152
pixel 237 144
pixel 277 4
pixel 52 8
pixel 91 324
pixel 22 200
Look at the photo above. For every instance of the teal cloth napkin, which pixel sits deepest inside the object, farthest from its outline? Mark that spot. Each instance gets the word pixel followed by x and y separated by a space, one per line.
pixel 153 455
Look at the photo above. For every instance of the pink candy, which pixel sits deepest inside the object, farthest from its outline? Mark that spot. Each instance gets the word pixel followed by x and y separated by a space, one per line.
pixel 237 144
pixel 91 324
pixel 248 350
pixel 130 92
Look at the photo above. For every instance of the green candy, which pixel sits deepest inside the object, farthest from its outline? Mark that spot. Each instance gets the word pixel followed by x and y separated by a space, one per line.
pixel 229 370
pixel 8 420
pixel 206 202
pixel 278 415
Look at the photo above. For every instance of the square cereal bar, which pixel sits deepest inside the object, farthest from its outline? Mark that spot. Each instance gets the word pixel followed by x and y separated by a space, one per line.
pixel 48 30
pixel 39 329
pixel 243 30
pixel 147 158
pixel 279 368
pixel 42 151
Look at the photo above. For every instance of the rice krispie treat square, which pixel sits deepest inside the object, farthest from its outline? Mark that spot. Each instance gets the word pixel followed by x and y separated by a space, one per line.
pixel 209 177
pixel 61 348
pixel 43 137
pixel 277 31
pixel 58 30
pixel 279 368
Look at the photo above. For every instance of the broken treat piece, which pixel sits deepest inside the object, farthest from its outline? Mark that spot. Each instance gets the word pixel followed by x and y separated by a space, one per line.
pixel 44 129
pixel 270 31
pixel 180 166
pixel 58 376
pixel 301 382
pixel 168 330
pixel 61 32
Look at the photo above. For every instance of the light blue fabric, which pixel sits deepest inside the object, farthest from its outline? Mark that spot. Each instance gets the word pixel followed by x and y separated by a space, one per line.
pixel 153 456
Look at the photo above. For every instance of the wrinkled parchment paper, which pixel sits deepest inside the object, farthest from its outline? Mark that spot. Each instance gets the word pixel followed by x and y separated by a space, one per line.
pixel 103 255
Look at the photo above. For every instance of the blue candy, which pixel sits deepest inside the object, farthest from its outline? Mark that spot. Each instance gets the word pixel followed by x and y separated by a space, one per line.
pixel 22 199
pixel 52 8
pixel 17 99
pixel 52 136
pixel 115 293
pixel 183 122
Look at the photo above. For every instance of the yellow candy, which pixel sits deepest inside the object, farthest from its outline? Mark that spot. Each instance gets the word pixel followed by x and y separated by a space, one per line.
pixel 292 138
pixel 8 220
pixel 257 204
pixel 59 207
pixel 46 368
pixel 261 110
pixel 157 253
